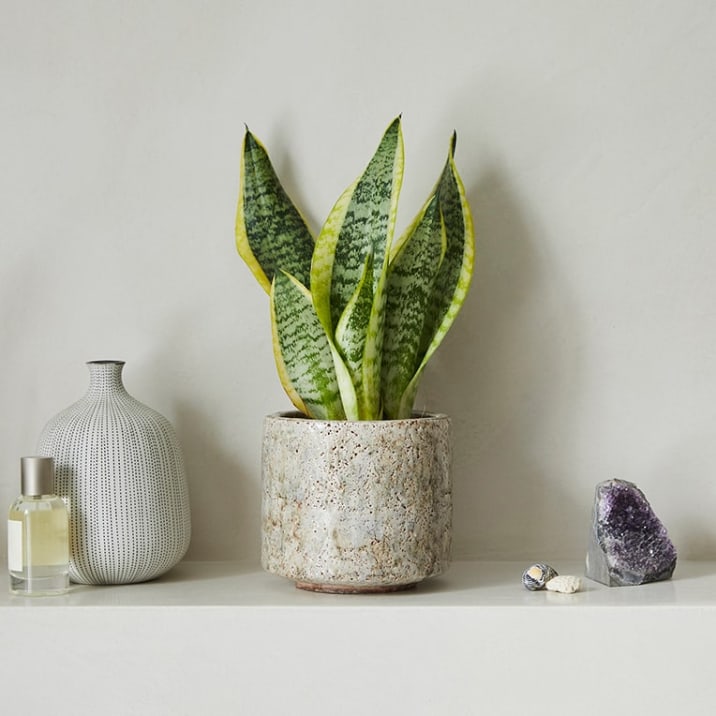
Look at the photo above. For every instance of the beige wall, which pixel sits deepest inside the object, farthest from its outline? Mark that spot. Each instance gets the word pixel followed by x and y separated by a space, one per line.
pixel 587 143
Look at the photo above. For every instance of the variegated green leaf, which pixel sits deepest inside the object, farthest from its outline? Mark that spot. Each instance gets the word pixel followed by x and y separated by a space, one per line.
pixel 352 328
pixel 304 356
pixel 451 282
pixel 370 401
pixel 455 275
pixel 410 289
pixel 362 220
pixel 271 234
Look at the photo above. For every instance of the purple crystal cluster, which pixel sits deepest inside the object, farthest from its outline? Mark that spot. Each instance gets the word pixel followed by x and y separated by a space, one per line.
pixel 628 544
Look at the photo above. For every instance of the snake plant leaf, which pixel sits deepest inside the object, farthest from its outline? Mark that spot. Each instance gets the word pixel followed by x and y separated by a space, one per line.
pixel 450 285
pixel 413 272
pixel 304 357
pixel 271 234
pixel 351 331
pixel 362 220
pixel 455 274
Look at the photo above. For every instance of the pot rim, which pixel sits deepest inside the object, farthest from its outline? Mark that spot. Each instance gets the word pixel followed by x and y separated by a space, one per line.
pixel 418 416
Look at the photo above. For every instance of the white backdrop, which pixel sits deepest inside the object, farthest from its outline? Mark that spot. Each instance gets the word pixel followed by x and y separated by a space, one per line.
pixel 587 143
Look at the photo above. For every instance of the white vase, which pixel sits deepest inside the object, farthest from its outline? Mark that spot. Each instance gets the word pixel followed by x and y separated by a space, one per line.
pixel 360 506
pixel 120 469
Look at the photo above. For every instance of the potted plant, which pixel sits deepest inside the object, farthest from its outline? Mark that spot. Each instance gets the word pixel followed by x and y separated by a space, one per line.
pixel 356 487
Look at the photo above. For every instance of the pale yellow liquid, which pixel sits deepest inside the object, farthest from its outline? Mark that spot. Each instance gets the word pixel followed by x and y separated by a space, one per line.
pixel 45 545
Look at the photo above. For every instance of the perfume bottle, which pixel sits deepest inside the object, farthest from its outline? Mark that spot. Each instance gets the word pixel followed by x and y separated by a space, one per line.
pixel 38 533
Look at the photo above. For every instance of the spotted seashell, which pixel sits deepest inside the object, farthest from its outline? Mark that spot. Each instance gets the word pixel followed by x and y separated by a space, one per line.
pixel 537 576
pixel 565 584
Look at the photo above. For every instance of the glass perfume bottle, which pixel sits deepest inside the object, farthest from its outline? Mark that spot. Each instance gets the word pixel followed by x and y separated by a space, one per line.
pixel 38 533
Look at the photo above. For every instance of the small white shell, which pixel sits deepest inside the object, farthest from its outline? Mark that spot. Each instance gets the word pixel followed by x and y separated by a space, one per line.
pixel 565 584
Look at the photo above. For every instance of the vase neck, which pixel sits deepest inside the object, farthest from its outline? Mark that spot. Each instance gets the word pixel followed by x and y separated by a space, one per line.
pixel 105 377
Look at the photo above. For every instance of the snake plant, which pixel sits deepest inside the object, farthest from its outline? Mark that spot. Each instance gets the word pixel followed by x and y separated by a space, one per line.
pixel 355 314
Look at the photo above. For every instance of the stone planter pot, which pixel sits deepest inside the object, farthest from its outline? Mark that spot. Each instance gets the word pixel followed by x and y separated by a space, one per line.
pixel 354 507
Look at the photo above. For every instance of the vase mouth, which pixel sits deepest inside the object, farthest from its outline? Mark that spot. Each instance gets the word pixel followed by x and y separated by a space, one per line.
pixel 418 415
pixel 105 362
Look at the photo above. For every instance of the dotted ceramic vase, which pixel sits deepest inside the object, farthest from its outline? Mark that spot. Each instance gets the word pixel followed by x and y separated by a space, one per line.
pixel 120 469
pixel 356 506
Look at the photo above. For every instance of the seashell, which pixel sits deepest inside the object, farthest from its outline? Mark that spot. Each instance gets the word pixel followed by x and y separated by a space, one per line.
pixel 564 584
pixel 537 576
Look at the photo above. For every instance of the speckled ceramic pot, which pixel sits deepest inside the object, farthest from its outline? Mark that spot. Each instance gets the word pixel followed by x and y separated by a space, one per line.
pixel 356 506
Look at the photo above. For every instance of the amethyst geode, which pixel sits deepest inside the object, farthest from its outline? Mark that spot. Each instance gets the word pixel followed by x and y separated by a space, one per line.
pixel 628 544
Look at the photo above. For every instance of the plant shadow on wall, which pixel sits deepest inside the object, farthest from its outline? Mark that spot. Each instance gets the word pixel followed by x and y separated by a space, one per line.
pixel 224 495
pixel 224 500
pixel 512 396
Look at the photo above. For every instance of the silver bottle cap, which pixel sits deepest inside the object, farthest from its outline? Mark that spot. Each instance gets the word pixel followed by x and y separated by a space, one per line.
pixel 37 476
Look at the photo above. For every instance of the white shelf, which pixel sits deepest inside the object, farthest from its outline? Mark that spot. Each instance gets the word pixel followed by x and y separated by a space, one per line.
pixel 226 638
pixel 466 584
